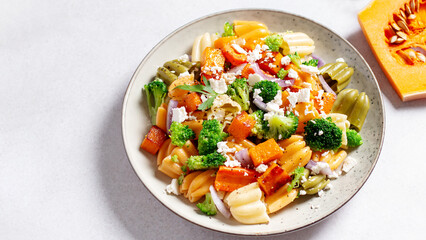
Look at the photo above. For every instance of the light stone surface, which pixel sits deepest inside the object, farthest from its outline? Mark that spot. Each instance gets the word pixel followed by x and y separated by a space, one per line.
pixel 64 173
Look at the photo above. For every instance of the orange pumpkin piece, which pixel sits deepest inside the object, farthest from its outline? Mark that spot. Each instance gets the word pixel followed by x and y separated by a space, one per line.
pixel 247 70
pixel 212 63
pixel 305 111
pixel 392 28
pixel 228 179
pixel 232 56
pixel 270 62
pixel 153 140
pixel 241 126
pixel 191 101
pixel 325 103
pixel 273 178
pixel 221 42
pixel 265 152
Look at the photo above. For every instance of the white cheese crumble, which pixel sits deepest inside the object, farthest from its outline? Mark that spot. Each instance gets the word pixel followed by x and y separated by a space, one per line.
pixel 328 187
pixel 204 97
pixel 320 132
pixel 319 167
pixel 232 163
pixel 229 77
pixel 238 49
pixel 179 114
pixel 348 164
pixel 253 79
pixel 321 193
pixel 304 95
pixel 256 94
pixel 184 58
pixel 173 187
pixel 184 74
pixel 261 168
pixel 219 86
pixel 223 148
pixel 256 54
pixel 285 60
pixel 340 60
pixel 309 69
pixel 334 175
pixel 292 74
pixel 302 192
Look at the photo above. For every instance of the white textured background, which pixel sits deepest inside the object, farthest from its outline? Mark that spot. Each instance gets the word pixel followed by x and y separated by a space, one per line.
pixel 64 69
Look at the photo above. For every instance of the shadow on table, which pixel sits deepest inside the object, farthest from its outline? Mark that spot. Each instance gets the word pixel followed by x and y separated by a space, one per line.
pixel 358 40
pixel 133 206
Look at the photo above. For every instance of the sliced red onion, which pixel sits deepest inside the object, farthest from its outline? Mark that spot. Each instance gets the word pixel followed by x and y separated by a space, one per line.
pixel 324 170
pixel 172 104
pixel 320 61
pixel 261 73
pixel 238 68
pixel 219 204
pixel 285 83
pixel 261 105
pixel 244 158
pixel 325 85
pixel 310 164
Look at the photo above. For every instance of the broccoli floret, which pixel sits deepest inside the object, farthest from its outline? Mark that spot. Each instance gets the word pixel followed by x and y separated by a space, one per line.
pixel 295 59
pixel 180 134
pixel 312 62
pixel 208 207
pixel 239 92
pixel 274 42
pixel 354 138
pixel 156 92
pixel 210 135
pixel 201 162
pixel 282 73
pixel 268 90
pixel 322 134
pixel 261 126
pixel 282 127
pixel 228 30
pixel 297 175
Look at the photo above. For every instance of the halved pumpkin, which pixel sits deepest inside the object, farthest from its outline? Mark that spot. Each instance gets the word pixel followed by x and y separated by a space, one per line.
pixel 396 32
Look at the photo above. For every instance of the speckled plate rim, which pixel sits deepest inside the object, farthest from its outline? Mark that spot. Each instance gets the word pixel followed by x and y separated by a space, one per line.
pixel 159 44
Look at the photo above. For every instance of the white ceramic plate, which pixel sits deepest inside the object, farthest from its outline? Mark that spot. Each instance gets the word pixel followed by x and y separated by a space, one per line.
pixel 329 46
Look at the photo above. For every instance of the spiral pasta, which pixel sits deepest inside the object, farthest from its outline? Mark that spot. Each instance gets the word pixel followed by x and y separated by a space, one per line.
pixel 341 122
pixel 296 153
pixel 224 109
pixel 246 204
pixel 200 43
pixel 297 42
pixel 196 184
pixel 337 75
pixel 166 163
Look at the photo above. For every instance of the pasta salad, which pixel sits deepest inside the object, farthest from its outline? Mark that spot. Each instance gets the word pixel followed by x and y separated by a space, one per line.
pixel 252 120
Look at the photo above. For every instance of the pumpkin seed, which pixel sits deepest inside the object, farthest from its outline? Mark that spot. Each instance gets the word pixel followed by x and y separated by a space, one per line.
pixel 391 31
pixel 413 5
pixel 399 40
pixel 417 5
pixel 402 13
pixel 421 57
pixel 403 25
pixel 411 54
pixel 393 39
pixel 412 16
pixel 398 17
pixel 408 9
pixel 395 27
pixel 402 35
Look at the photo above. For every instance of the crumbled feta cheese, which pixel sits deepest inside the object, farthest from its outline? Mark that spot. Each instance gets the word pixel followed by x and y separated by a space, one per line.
pixel 184 74
pixel 173 187
pixel 253 79
pixel 292 74
pixel 222 147
pixel 265 47
pixel 256 54
pixel 261 168
pixel 219 86
pixel 334 175
pixel 309 69
pixel 319 167
pixel 232 163
pixel 302 192
pixel 238 49
pixel 328 186
pixel 179 114
pixel 184 58
pixel 204 97
pixel 321 193
pixel 304 95
pixel 303 179
pixel 285 60
pixel 229 77
pixel 271 65
pixel 256 94
pixel 321 132
pixel 348 164
pixel 340 60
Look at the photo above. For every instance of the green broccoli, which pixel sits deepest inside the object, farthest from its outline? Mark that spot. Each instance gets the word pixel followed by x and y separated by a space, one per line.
pixel 239 92
pixel 228 30
pixel 354 138
pixel 208 207
pixel 282 127
pixel 268 89
pixel 295 59
pixel 312 62
pixel 282 73
pixel 297 175
pixel 180 133
pixel 210 135
pixel 156 92
pixel 261 126
pixel 322 134
pixel 274 42
pixel 202 162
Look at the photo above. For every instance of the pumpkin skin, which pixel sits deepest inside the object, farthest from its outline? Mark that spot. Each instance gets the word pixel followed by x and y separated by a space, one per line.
pixel 407 77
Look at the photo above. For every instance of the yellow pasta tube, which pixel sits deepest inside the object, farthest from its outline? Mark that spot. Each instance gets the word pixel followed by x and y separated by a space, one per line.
pixel 296 153
pixel 297 42
pixel 200 185
pixel 164 151
pixel 336 159
pixel 187 182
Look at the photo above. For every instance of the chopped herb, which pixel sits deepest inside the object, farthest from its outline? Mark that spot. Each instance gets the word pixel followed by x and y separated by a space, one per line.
pixel 204 89
pixel 175 158
pixel 274 42
pixel 282 73
pixel 297 175
pixel 312 62
pixel 295 59
pixel 180 179
pixel 228 30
